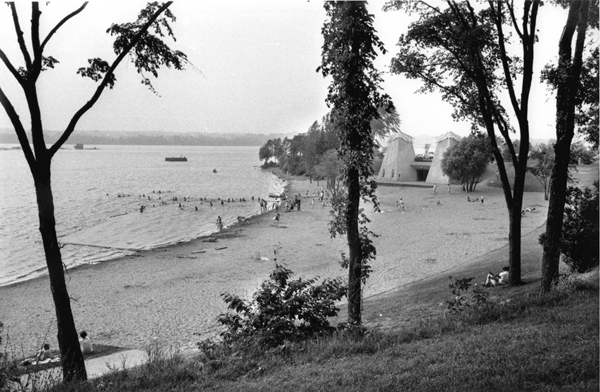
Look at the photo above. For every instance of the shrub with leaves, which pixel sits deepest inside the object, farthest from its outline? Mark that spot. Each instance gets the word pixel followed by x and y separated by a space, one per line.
pixel 460 302
pixel 579 242
pixel 282 309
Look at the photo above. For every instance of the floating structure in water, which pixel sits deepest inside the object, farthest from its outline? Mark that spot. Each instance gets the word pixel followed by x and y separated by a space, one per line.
pixel 176 159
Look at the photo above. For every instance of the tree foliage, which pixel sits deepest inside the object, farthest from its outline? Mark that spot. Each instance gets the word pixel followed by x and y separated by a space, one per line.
pixel 330 168
pixel 467 161
pixel 586 101
pixel 462 51
pixel 350 46
pixel 282 310
pixel 580 232
pixel 542 157
pixel 143 42
pixel 306 157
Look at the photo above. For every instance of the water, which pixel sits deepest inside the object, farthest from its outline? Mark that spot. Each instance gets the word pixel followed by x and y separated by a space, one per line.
pixel 98 195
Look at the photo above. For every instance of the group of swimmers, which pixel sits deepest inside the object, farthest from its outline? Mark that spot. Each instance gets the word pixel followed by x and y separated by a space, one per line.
pixel 182 205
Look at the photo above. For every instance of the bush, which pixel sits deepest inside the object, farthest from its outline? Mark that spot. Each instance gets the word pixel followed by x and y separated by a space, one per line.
pixel 579 242
pixel 460 302
pixel 282 309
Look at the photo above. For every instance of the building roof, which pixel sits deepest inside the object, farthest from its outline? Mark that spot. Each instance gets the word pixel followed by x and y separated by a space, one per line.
pixel 448 135
pixel 400 135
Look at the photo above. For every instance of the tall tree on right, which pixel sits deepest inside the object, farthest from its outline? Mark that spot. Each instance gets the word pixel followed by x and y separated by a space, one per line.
pixel 462 52
pixel 566 78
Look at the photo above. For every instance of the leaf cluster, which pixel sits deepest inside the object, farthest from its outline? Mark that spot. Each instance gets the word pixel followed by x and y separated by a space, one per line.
pixel 149 52
pixel 580 233
pixel 451 51
pixel 462 300
pixel 349 49
pixel 282 310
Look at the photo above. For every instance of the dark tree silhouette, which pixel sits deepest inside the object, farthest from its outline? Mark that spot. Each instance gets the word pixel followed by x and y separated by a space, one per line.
pixel 566 79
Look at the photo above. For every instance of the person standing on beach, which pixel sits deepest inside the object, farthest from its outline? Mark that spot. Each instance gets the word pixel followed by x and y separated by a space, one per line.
pixel 402 205
pixel 219 224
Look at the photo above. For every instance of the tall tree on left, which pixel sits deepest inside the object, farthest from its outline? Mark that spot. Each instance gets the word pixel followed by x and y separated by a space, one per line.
pixel 142 41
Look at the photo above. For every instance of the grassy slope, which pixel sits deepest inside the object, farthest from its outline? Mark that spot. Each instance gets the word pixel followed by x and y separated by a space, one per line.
pixel 528 344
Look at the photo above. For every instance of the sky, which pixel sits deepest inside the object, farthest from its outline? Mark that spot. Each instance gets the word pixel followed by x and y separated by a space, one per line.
pixel 254 70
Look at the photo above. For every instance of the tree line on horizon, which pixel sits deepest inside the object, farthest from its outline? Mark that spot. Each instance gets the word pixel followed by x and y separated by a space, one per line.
pixel 153 139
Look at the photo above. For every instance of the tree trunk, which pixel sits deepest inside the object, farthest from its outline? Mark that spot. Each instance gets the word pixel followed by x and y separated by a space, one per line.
pixel 556 209
pixel 354 245
pixel 514 247
pixel 73 366
pixel 514 234
pixel 565 128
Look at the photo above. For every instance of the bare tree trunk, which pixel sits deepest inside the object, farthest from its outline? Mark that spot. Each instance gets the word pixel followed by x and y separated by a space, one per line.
pixel 570 72
pixel 514 244
pixel 73 365
pixel 354 245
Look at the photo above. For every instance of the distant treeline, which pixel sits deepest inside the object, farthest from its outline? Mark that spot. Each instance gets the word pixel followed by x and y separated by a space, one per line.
pixel 151 138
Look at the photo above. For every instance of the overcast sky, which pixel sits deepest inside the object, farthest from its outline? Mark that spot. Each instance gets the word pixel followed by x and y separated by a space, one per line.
pixel 254 70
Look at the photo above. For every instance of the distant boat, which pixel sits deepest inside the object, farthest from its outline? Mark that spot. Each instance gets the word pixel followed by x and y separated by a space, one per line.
pixel 176 159
pixel 79 146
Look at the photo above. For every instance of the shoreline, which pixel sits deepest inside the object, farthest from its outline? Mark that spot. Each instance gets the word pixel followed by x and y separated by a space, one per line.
pixel 41 271
pixel 173 293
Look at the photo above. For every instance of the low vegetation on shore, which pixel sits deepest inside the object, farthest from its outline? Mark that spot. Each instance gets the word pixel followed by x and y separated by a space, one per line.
pixel 515 341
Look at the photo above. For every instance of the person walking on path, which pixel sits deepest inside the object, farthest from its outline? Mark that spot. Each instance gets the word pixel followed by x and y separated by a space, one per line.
pixel 434 188
pixel 448 188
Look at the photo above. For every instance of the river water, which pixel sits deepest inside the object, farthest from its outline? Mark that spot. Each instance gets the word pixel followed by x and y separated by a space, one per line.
pixel 98 194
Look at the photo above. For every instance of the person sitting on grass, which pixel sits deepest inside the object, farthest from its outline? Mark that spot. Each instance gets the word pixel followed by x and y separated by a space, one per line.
pixel 85 343
pixel 500 279
pixel 43 353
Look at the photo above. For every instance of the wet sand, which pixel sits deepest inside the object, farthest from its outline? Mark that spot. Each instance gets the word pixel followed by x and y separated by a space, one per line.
pixel 173 294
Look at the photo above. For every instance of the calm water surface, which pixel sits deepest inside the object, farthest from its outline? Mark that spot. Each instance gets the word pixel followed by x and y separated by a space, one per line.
pixel 98 195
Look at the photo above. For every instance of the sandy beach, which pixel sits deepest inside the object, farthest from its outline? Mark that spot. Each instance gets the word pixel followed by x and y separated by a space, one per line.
pixel 173 295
